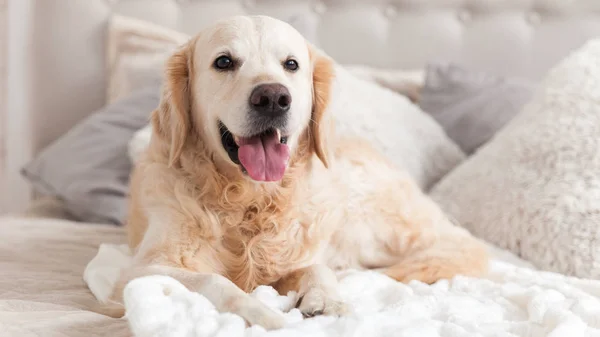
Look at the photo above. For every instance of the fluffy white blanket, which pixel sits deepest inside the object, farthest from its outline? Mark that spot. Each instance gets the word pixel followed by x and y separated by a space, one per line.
pixel 514 300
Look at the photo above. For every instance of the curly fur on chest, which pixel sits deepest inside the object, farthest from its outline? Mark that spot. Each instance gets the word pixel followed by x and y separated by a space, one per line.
pixel 254 231
pixel 258 232
pixel 262 240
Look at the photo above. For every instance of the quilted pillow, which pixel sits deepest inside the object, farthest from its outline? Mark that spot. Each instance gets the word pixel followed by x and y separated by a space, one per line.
pixel 535 187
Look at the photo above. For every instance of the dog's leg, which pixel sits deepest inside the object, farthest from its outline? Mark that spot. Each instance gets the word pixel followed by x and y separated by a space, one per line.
pixel 454 253
pixel 219 290
pixel 316 286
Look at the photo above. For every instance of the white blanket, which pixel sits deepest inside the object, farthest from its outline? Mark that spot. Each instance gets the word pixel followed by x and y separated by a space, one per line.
pixel 514 300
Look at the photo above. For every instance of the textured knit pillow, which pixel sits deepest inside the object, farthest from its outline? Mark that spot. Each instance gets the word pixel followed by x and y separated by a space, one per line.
pixel 535 188
pixel 470 105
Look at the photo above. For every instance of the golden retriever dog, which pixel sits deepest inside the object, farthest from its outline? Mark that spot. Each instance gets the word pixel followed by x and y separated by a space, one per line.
pixel 245 183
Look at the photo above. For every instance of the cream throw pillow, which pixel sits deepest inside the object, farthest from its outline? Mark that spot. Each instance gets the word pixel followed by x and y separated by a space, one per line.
pixel 136 53
pixel 535 187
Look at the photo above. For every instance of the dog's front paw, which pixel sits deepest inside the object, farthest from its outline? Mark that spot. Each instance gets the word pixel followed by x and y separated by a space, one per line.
pixel 256 313
pixel 318 302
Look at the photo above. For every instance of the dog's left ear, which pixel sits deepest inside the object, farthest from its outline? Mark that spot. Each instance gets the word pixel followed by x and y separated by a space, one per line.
pixel 172 120
pixel 321 125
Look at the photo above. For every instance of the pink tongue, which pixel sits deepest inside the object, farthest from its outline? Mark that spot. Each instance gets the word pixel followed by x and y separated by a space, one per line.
pixel 264 157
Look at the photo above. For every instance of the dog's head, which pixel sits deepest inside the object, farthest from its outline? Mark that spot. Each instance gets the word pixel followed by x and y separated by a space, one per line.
pixel 252 89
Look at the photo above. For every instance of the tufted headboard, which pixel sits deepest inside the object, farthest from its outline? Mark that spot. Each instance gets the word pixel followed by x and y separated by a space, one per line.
pixel 56 54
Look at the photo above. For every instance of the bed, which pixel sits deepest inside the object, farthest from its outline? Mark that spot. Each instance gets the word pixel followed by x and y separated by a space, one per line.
pixel 57 75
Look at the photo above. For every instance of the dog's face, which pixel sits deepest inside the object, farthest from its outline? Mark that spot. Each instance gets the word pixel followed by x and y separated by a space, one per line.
pixel 249 86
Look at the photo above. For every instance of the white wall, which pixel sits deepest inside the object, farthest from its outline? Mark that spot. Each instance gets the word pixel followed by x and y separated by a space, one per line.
pixel 16 191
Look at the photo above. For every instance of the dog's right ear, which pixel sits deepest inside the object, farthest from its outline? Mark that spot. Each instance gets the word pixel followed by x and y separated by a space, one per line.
pixel 321 124
pixel 172 120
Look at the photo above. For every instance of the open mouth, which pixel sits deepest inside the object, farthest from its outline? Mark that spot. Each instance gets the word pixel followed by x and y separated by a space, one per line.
pixel 263 157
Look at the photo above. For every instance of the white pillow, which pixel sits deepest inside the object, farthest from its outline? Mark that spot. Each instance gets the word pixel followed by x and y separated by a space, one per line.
pixel 139 142
pixel 136 53
pixel 410 138
pixel 535 187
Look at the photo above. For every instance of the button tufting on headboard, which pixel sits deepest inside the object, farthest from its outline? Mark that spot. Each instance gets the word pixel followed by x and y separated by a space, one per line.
pixel 391 11
pixel 319 8
pixel 248 3
pixel 534 18
pixel 464 16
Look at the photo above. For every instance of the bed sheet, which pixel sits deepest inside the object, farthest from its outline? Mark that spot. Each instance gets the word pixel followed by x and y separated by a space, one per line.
pixel 42 291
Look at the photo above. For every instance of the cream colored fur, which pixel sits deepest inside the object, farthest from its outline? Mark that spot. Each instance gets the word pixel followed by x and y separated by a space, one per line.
pixel 341 204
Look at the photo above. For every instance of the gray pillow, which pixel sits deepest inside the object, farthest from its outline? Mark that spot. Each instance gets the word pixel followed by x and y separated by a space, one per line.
pixel 471 106
pixel 88 168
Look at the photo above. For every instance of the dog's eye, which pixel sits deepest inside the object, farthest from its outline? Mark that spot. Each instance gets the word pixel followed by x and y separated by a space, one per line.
pixel 291 65
pixel 223 63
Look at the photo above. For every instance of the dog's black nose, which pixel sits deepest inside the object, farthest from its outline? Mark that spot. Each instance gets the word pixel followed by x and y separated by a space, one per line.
pixel 271 100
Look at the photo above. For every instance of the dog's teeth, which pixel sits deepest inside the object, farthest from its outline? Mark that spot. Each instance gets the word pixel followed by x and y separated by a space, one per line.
pixel 278 135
